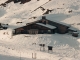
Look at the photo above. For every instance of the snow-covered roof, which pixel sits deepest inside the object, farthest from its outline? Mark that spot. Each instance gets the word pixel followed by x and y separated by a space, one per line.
pixel 54 18
pixel 72 28
pixel 75 32
pixel 21 25
pixel 4 25
pixel 16 26
pixel 47 25
pixel 60 22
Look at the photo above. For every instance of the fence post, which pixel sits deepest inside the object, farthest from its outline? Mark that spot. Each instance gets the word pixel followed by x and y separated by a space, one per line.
pixel 34 55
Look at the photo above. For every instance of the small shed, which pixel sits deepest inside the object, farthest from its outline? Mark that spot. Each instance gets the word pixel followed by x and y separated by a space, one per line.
pixel 3 26
pixel 75 34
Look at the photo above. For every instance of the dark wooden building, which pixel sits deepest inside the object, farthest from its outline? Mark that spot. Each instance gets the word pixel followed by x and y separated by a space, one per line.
pixel 75 34
pixel 44 26
pixel 60 28
pixel 35 28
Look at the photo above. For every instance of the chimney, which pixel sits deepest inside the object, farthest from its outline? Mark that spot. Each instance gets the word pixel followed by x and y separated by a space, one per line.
pixel 44 20
pixel 43 17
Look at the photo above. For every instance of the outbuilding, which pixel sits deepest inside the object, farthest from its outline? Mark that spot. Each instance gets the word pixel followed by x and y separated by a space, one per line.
pixel 75 34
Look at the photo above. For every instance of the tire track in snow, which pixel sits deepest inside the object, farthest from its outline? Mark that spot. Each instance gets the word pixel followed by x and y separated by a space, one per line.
pixel 40 6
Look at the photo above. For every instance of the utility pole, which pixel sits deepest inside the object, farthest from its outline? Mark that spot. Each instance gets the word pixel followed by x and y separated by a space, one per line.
pixel 20 55
pixel 34 55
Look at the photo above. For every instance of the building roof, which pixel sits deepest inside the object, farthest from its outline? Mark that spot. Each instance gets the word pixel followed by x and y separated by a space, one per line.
pixel 55 19
pixel 75 32
pixel 72 28
pixel 47 25
pixel 15 27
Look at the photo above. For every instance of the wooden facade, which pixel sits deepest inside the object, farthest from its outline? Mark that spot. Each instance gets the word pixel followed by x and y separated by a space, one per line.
pixel 60 28
pixel 34 29
pixel 75 34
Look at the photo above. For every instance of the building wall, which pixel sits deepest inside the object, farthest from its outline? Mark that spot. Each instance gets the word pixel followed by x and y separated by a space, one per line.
pixel 34 29
pixel 62 29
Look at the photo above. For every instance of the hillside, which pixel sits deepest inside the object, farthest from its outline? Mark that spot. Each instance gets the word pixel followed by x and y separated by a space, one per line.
pixel 21 47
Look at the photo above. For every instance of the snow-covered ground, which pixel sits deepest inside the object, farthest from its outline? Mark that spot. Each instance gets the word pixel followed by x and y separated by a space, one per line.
pixel 21 47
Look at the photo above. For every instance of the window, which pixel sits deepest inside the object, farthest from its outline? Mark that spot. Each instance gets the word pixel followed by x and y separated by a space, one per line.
pixel 49 30
pixel 46 22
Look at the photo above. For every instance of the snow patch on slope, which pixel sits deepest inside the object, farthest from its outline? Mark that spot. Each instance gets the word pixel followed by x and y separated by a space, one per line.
pixel 65 47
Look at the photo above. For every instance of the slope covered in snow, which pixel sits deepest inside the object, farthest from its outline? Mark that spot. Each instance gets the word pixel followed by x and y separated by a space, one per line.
pixel 21 47
pixel 64 46
pixel 26 12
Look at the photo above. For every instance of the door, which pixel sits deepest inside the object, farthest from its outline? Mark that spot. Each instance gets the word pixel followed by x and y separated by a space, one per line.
pixel 33 31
